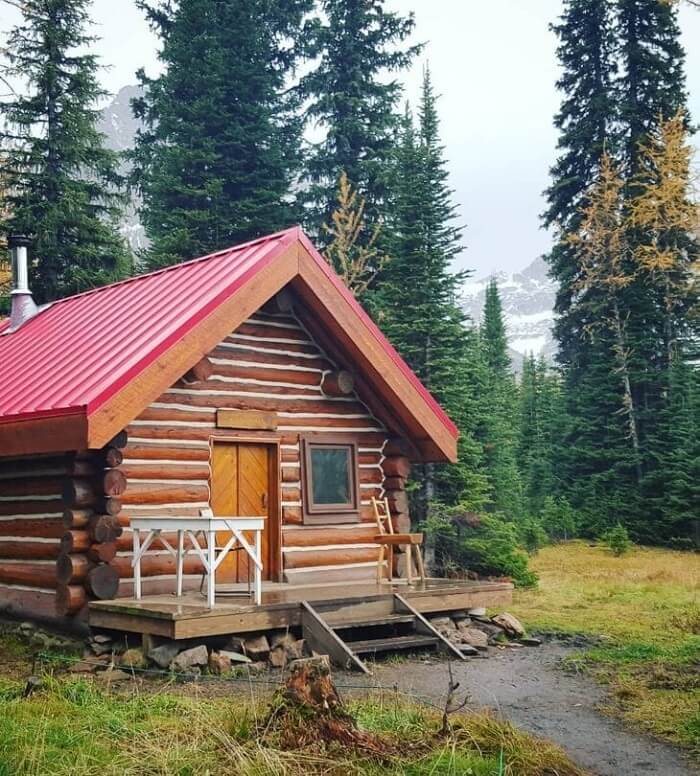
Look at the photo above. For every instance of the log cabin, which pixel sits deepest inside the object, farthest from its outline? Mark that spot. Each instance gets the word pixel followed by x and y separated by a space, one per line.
pixel 249 381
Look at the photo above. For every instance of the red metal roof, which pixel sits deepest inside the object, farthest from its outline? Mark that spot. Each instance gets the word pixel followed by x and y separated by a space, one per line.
pixel 79 351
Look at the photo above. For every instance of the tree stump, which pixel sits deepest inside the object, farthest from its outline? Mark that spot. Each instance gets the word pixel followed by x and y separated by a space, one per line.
pixel 308 710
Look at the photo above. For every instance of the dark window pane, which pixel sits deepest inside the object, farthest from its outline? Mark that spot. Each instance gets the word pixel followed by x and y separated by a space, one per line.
pixel 330 475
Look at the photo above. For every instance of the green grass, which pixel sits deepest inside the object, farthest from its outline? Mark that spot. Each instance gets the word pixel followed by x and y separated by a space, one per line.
pixel 73 726
pixel 646 607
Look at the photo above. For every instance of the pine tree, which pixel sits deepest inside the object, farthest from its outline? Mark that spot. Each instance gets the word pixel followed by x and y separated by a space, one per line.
pixel 586 124
pixel 220 153
pixel 651 86
pixel 351 100
pixel 62 183
pixel 417 306
pixel 500 420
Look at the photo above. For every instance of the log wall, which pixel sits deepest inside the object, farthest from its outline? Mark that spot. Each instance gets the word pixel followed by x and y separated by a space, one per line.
pixel 269 364
pixel 56 512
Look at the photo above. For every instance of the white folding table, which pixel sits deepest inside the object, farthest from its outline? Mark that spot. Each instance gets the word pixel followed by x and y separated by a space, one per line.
pixel 211 558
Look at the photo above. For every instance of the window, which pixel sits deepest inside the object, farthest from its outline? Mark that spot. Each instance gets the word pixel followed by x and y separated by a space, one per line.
pixel 330 482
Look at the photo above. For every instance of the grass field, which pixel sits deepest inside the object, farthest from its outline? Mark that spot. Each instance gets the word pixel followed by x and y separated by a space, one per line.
pixel 72 726
pixel 646 607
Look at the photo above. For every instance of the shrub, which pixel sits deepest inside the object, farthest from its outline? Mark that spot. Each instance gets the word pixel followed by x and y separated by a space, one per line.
pixel 617 539
pixel 481 543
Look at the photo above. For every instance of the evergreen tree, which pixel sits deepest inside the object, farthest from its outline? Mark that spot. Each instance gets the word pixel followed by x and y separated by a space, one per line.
pixel 417 303
pixel 220 152
pixel 61 182
pixel 651 86
pixel 586 124
pixel 499 415
pixel 350 99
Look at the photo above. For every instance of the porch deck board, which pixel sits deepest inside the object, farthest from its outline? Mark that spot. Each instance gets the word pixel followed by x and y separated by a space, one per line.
pixel 189 617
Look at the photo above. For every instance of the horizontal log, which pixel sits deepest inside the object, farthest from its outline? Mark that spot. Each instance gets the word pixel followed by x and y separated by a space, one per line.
pixel 154 565
pixel 266 330
pixel 265 374
pixel 32 574
pixel 80 492
pixel 292 515
pixel 76 518
pixel 38 507
pixel 397 447
pixel 51 528
pixel 336 557
pixel 291 494
pixel 394 483
pixel 338 383
pixel 312 537
pixel 27 549
pixel 72 568
pixel 119 440
pixel 125 541
pixel 291 474
pixel 401 522
pixel 145 452
pixel 102 553
pixel 289 456
pixel 255 403
pixel 110 505
pixel 398 500
pixel 139 493
pixel 200 372
pixel 70 599
pixel 172 433
pixel 281 302
pixel 111 457
pixel 164 471
pixel 104 528
pixel 371 476
pixel 39 486
pixel 34 466
pixel 75 541
pixel 113 482
pixel 397 466
pixel 102 581
pixel 239 352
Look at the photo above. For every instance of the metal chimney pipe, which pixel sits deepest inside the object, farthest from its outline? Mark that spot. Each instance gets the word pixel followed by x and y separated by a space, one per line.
pixel 22 306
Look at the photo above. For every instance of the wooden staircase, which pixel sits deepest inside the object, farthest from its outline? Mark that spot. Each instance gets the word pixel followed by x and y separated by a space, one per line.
pixel 348 629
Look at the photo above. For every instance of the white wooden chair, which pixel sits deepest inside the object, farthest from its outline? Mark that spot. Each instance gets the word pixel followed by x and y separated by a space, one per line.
pixel 387 540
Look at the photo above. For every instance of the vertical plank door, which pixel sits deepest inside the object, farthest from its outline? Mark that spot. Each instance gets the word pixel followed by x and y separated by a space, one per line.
pixel 240 486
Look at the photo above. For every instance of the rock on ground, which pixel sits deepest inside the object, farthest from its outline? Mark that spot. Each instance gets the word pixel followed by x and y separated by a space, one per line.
pixel 195 657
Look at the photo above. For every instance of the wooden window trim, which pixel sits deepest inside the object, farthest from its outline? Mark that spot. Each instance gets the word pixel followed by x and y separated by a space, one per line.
pixel 324 514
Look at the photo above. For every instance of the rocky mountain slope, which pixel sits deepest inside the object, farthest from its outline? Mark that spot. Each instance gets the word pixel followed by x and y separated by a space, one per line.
pixel 528 302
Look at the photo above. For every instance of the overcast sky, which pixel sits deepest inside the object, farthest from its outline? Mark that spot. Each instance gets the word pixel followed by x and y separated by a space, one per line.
pixel 493 62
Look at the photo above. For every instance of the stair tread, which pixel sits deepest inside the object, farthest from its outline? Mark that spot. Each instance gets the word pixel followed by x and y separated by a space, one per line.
pixel 342 623
pixel 397 642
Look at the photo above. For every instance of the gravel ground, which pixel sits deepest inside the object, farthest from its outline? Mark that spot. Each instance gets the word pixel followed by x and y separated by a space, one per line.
pixel 528 687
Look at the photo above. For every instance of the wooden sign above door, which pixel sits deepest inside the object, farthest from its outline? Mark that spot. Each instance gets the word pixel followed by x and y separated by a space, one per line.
pixel 246 419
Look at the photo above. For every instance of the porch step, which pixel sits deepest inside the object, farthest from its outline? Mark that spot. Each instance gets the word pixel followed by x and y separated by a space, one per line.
pixel 338 622
pixel 345 630
pixel 414 641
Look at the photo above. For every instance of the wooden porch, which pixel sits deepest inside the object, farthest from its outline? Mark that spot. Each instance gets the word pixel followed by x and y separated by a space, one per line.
pixel 283 606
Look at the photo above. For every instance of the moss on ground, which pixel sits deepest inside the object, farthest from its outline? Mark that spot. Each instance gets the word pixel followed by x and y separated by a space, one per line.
pixel 646 607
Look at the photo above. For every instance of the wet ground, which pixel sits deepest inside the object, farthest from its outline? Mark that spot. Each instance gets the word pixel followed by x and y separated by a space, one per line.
pixel 528 687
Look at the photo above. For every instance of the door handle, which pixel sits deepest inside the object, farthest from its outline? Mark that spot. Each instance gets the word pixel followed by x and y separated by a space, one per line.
pixel 263 498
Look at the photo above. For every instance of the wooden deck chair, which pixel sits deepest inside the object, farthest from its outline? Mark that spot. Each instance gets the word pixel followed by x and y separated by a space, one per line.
pixel 387 540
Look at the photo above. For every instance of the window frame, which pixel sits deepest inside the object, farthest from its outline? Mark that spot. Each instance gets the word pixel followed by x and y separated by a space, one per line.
pixel 320 514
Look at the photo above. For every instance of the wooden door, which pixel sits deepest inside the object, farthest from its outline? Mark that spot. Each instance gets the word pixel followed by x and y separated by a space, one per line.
pixel 241 486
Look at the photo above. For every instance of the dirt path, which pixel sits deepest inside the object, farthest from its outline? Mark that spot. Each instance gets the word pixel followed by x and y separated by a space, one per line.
pixel 527 687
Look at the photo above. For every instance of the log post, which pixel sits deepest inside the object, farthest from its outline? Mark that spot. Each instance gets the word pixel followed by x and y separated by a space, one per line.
pixel 70 599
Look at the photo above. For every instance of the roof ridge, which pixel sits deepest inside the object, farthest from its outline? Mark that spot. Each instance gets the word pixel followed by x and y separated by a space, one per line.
pixel 171 267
